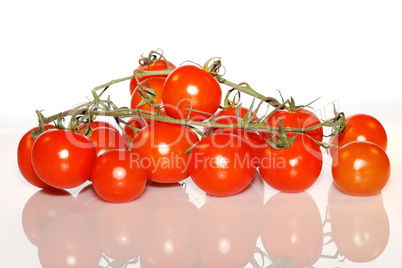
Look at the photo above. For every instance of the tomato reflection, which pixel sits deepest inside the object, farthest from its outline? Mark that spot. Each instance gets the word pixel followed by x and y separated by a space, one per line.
pixel 38 212
pixel 291 229
pixel 227 230
pixel 169 233
pixel 360 225
pixel 69 241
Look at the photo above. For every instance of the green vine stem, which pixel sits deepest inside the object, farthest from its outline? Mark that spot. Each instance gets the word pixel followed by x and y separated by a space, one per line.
pixel 87 111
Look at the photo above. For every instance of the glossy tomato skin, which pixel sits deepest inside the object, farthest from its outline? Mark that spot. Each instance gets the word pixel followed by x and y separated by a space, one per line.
pixel 361 168
pixel 160 148
pixel 62 158
pixel 232 112
pixel 156 83
pixel 222 164
pixel 190 84
pixel 360 127
pixel 24 159
pixel 117 177
pixel 292 169
pixel 105 138
pixel 253 138
pixel 301 118
pixel 155 66
pixel 135 122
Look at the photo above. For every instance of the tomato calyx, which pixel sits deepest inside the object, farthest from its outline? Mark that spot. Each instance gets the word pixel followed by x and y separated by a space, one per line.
pixel 339 124
pixel 281 139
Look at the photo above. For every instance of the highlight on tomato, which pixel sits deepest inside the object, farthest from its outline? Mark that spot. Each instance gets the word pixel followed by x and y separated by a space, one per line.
pixel 222 164
pixel 160 148
pixel 361 168
pixel 191 87
pixel 63 158
pixel 117 177
pixel 24 158
pixel 360 127
pixel 294 167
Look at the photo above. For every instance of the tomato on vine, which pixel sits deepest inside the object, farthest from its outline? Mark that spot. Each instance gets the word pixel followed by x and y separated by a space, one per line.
pixel 144 103
pixel 63 158
pixel 24 158
pixel 149 64
pixel 191 87
pixel 160 148
pixel 361 168
pixel 294 167
pixel 295 118
pixel 105 138
pixel 136 123
pixel 360 127
pixel 222 164
pixel 117 177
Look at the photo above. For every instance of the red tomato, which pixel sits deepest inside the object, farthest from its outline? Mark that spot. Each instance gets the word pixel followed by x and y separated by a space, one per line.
pixel 105 138
pixel 117 177
pixel 361 168
pixel 63 158
pixel 292 169
pixel 96 124
pixel 24 159
pixel 135 122
pixel 303 118
pixel 251 137
pixel 188 85
pixel 360 127
pixel 232 112
pixel 154 66
pixel 222 164
pixel 291 228
pixel 156 83
pixel 160 147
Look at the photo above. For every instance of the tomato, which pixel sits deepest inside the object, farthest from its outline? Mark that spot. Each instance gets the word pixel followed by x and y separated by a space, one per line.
pixel 160 148
pixel 222 164
pixel 294 119
pixel 292 169
pixel 360 127
pixel 291 228
pixel 188 85
pixel 153 66
pixel 63 158
pixel 24 159
pixel 96 124
pixel 361 168
pixel 251 137
pixel 155 83
pixel 135 122
pixel 360 226
pixel 117 177
pixel 232 112
pixel 105 138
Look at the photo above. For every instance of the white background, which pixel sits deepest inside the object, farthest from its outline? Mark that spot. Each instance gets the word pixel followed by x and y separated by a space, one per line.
pixel 52 53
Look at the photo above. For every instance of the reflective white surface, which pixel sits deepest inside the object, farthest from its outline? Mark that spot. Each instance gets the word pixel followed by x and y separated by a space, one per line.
pixel 178 226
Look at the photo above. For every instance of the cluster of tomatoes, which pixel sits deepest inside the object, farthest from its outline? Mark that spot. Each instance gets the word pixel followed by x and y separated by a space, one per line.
pixel 220 161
